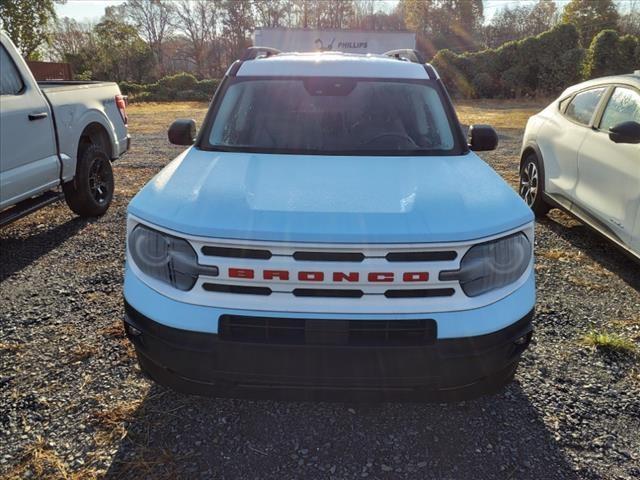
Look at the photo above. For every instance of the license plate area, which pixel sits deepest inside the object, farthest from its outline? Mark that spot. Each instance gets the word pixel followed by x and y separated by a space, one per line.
pixel 301 331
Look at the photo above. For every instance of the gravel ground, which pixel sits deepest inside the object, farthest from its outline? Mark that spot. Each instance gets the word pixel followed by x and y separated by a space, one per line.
pixel 74 405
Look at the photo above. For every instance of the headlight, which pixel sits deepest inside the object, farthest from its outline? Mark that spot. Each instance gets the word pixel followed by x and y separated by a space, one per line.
pixel 492 265
pixel 166 258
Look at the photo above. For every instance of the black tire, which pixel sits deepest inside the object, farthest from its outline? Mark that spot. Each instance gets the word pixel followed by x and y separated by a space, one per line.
pixel 532 185
pixel 90 193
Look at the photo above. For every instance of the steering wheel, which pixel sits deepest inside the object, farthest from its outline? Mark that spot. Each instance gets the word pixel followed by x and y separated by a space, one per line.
pixel 403 136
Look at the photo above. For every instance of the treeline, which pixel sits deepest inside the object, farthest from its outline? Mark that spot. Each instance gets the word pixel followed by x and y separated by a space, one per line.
pixel 540 65
pixel 146 44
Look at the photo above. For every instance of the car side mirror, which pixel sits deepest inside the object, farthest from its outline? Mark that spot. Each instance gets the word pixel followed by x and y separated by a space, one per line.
pixel 625 132
pixel 182 132
pixel 482 138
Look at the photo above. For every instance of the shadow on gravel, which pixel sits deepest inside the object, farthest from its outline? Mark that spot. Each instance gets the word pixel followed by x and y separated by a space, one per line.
pixel 18 253
pixel 497 437
pixel 598 249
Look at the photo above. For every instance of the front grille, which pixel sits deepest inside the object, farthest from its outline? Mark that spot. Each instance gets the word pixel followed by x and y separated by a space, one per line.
pixel 329 256
pixel 420 293
pixel 299 331
pixel 310 276
pixel 236 252
pixel 248 290
pixel 421 256
pixel 327 292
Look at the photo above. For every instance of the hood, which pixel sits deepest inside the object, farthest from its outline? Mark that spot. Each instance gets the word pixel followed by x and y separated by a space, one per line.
pixel 330 199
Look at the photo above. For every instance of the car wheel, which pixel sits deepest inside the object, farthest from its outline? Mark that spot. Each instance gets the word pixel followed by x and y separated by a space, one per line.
pixel 532 185
pixel 90 193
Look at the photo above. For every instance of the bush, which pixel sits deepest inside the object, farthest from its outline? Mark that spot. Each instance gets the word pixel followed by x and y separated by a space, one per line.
pixel 130 88
pixel 611 54
pixel 544 64
pixel 208 87
pixel 179 81
pixel 484 86
pixel 191 95
pixel 182 87
pixel 141 97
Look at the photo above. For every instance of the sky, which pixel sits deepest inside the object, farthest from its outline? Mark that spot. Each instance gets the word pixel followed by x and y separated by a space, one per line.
pixel 93 9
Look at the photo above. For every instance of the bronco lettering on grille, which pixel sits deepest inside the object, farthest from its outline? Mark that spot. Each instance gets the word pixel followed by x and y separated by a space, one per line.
pixel 284 275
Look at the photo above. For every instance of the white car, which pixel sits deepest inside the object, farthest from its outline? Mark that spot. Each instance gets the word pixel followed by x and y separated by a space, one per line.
pixel 582 154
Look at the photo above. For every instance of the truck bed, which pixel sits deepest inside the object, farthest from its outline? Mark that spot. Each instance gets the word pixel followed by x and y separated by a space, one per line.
pixel 72 85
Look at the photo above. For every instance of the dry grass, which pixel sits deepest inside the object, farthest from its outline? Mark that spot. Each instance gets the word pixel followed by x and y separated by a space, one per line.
pixel 586 283
pixel 114 330
pixel 627 322
pixel 609 343
pixel 559 255
pixel 80 353
pixel 156 117
pixel 111 422
pixel 114 416
pixel 40 461
pixel 500 114
pixel 11 347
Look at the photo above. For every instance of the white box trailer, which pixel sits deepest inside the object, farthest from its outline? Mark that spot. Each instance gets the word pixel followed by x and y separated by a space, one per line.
pixel 348 41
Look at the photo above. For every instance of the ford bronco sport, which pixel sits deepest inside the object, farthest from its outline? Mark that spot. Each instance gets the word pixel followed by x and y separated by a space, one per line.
pixel 330 231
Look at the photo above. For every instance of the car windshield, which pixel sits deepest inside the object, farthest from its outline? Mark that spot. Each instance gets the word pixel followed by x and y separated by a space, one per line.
pixel 338 116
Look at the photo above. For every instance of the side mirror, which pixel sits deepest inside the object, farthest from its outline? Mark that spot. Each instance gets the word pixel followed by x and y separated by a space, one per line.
pixel 482 138
pixel 182 132
pixel 625 132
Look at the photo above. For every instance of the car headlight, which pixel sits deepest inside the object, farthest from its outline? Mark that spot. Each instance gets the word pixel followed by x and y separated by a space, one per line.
pixel 492 265
pixel 166 258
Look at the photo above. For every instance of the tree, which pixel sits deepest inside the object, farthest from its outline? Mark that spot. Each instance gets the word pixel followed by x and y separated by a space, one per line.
pixel 453 24
pixel 520 22
pixel 334 13
pixel 630 21
pixel 154 19
pixel 368 15
pixel 27 22
pixel 69 38
pixel 271 13
pixel 543 16
pixel 237 23
pixel 198 20
pixel 591 17
pixel 117 52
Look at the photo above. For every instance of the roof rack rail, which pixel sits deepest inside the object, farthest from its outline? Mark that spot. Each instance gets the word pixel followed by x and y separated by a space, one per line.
pixel 252 53
pixel 407 55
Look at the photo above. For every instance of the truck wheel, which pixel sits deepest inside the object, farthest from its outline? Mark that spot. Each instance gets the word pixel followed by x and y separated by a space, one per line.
pixel 532 185
pixel 90 193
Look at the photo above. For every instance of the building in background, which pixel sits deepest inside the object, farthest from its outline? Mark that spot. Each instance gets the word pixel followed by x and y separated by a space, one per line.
pixel 347 41
pixel 50 71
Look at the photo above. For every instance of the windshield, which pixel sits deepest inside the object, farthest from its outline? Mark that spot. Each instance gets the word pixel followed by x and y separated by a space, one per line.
pixel 343 116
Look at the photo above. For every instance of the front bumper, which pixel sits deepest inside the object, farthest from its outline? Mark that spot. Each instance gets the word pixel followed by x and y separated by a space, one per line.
pixel 204 363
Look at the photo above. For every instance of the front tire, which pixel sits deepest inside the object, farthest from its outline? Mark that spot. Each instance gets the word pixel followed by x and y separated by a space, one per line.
pixel 90 193
pixel 532 185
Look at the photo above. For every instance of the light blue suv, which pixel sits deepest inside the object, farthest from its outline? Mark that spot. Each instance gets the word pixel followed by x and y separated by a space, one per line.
pixel 330 233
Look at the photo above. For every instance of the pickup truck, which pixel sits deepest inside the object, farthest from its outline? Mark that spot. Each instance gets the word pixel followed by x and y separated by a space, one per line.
pixel 57 139
pixel 330 232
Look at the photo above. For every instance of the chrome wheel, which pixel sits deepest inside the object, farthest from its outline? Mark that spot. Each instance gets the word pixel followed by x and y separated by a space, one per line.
pixel 529 183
